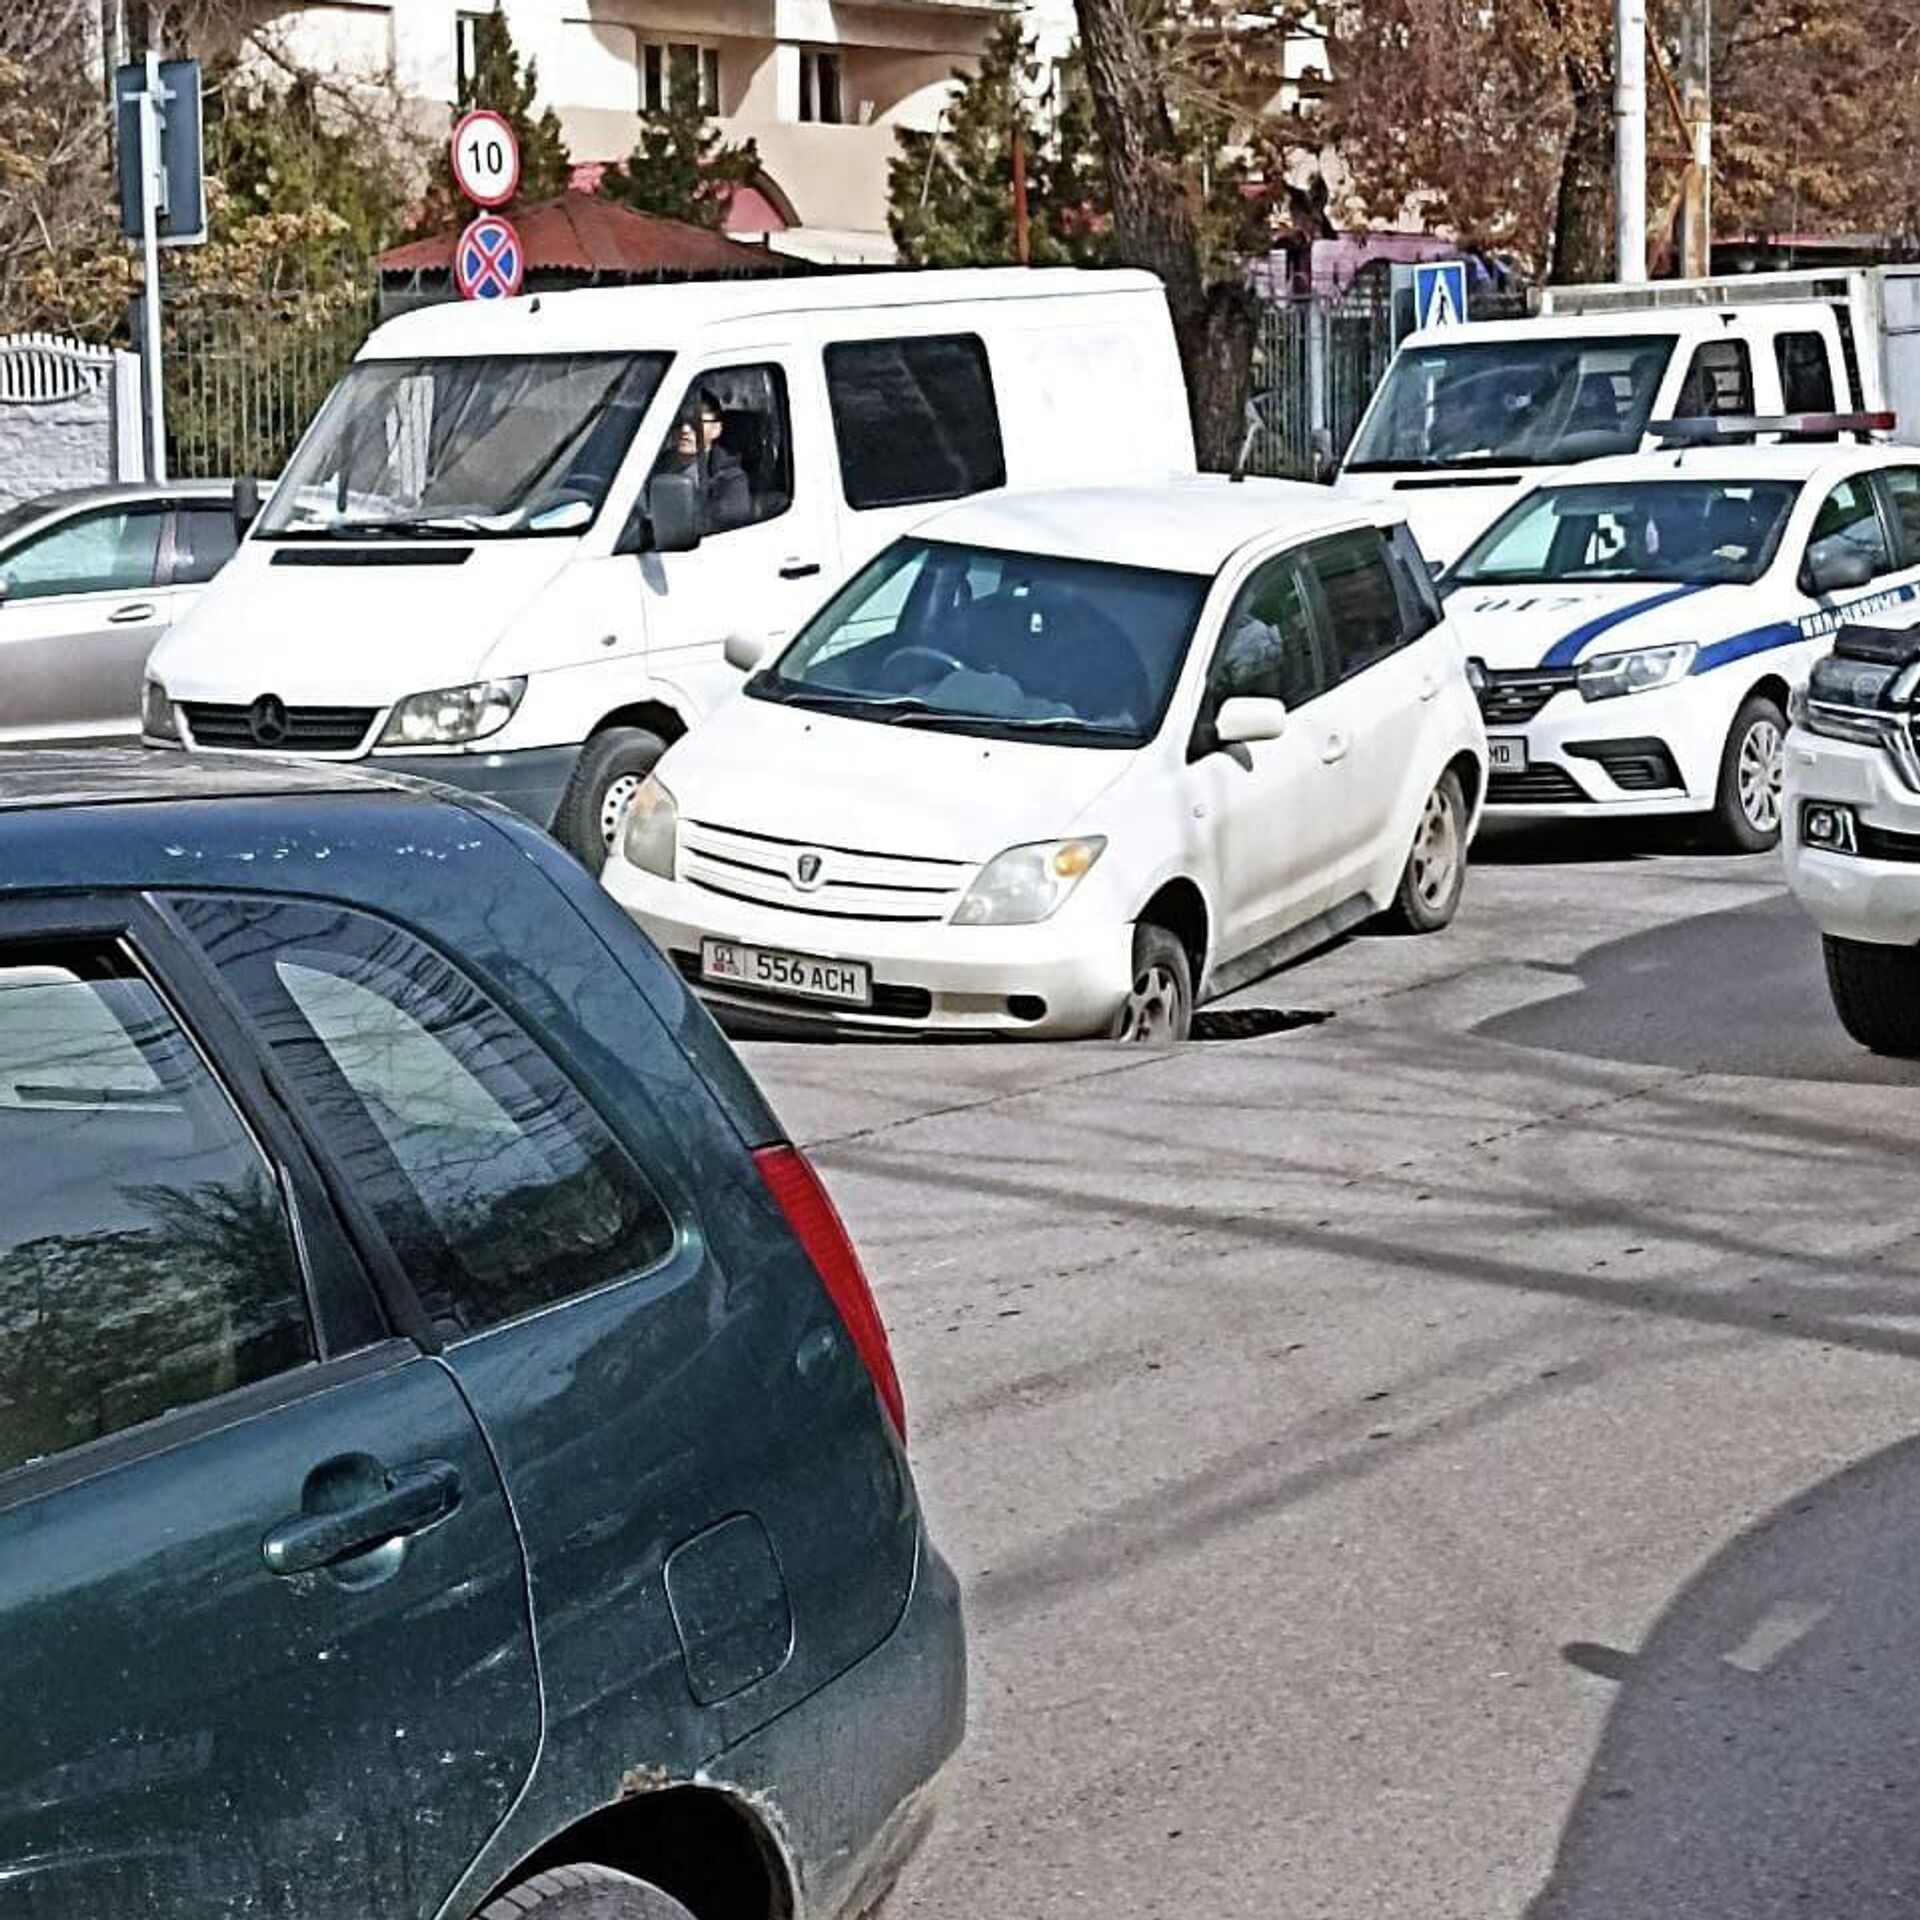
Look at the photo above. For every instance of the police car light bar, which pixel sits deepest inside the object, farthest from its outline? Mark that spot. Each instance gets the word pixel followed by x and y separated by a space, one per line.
pixel 1708 430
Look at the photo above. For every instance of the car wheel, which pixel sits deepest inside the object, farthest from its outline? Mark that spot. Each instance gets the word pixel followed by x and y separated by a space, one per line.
pixel 1746 807
pixel 610 770
pixel 584 1892
pixel 1158 1009
pixel 1876 993
pixel 1436 871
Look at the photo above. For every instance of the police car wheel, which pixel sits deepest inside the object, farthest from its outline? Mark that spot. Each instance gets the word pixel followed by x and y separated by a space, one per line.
pixel 1746 809
pixel 1436 871
pixel 609 773
pixel 1876 993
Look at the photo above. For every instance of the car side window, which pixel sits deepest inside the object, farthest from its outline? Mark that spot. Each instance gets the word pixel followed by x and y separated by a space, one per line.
pixel 146 1260
pixel 914 420
pixel 498 1187
pixel 106 551
pixel 734 432
pixel 203 542
pixel 1849 519
pixel 1719 381
pixel 1362 605
pixel 1268 648
pixel 1903 493
pixel 1806 374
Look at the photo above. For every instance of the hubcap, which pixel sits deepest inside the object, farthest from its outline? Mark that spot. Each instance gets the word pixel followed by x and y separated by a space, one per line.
pixel 613 803
pixel 1761 764
pixel 1152 1008
pixel 1436 850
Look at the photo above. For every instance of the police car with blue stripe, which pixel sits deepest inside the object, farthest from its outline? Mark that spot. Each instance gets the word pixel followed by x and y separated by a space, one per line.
pixel 1636 626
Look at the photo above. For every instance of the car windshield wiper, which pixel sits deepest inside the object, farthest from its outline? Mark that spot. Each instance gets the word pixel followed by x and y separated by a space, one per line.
pixel 402 527
pixel 1011 722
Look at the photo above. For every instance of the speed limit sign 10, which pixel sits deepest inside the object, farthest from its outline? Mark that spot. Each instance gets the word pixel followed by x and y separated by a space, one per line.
pixel 486 158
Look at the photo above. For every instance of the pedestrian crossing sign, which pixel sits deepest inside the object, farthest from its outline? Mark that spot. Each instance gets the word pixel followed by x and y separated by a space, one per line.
pixel 1440 293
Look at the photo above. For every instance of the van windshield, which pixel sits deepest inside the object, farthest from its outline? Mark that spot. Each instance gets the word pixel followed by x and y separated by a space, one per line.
pixel 1513 403
pixel 1696 532
pixel 485 445
pixel 1002 645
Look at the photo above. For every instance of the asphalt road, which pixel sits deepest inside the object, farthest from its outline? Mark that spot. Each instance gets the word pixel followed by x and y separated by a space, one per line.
pixel 1451 1458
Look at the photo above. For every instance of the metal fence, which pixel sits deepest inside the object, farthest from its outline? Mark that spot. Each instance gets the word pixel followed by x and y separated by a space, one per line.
pixel 246 371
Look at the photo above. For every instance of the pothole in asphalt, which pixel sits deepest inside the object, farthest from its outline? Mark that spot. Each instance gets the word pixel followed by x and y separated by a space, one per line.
pixel 1255 1023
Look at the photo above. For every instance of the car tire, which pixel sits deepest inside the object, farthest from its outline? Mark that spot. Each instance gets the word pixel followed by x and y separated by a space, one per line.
pixel 1746 802
pixel 610 769
pixel 584 1892
pixel 1876 993
pixel 1435 875
pixel 1158 1009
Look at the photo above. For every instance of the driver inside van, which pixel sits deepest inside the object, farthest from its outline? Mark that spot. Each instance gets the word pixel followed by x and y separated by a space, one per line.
pixel 695 447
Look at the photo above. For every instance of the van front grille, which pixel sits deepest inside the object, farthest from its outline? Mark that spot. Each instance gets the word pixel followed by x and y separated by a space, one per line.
pixel 288 729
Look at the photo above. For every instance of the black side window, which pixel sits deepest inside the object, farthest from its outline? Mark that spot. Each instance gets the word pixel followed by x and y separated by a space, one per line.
pixel 914 420
pixel 499 1188
pixel 203 542
pixel 1420 609
pixel 1720 381
pixel 1268 649
pixel 146 1261
pixel 1362 604
pixel 1903 491
pixel 1849 520
pixel 734 431
pixel 1806 375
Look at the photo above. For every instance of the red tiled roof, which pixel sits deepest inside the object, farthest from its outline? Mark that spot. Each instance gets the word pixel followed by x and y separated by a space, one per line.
pixel 582 233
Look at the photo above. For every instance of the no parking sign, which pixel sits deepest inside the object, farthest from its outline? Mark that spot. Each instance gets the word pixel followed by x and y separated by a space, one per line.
pixel 488 263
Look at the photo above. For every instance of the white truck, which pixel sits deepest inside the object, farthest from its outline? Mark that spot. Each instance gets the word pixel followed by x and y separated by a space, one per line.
pixel 510 548
pixel 1469 417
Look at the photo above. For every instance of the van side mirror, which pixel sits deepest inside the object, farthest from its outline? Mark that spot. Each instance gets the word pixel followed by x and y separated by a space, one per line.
pixel 744 650
pixel 1833 567
pixel 674 512
pixel 246 504
pixel 1245 720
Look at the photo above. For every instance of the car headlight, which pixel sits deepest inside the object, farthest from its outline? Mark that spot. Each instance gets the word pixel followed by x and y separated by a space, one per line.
pixel 451 716
pixel 1025 884
pixel 157 719
pixel 650 829
pixel 1612 674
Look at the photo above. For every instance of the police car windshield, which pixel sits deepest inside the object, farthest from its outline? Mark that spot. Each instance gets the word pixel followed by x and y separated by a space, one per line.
pixel 465 448
pixel 1696 532
pixel 1513 403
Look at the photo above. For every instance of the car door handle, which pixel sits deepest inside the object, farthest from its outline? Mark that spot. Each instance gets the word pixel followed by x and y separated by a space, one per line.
pixel 414 1499
pixel 1333 748
pixel 799 569
pixel 134 610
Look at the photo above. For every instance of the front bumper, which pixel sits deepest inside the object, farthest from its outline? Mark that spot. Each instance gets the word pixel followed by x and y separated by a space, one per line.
pixel 928 978
pixel 1854 896
pixel 530 781
pixel 1642 753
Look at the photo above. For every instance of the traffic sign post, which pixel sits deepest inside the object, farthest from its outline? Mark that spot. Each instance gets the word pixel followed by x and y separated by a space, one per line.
pixel 487 260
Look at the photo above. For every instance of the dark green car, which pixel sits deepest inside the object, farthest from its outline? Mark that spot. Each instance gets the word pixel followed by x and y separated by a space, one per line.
pixel 450 1462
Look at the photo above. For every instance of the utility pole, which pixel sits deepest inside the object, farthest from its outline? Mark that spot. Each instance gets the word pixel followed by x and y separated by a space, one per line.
pixel 153 203
pixel 1630 139
pixel 1696 104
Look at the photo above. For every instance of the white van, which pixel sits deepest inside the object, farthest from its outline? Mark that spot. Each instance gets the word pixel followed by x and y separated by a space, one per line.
pixel 508 550
pixel 1469 417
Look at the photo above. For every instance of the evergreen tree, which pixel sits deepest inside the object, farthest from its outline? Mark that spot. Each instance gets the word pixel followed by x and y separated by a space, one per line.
pixel 500 81
pixel 950 192
pixel 683 168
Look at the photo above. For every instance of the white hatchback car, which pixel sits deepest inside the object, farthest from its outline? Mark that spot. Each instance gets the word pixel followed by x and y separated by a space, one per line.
pixel 1638 624
pixel 1064 764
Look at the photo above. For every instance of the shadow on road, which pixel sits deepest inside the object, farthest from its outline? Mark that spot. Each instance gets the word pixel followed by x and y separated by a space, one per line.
pixel 1763 1758
pixel 1736 992
pixel 1512 843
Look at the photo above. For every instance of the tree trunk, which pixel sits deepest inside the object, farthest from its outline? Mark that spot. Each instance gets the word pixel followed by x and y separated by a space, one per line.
pixel 1154 225
pixel 1583 210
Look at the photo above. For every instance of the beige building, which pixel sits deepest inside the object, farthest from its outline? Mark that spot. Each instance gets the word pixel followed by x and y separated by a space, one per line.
pixel 821 86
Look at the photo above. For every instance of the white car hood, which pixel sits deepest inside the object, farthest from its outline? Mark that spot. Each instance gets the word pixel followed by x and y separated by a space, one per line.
pixel 1557 626
pixel 351 635
pixel 870 787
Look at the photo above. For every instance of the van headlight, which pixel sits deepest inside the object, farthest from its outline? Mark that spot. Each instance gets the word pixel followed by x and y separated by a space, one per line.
pixel 451 716
pixel 1612 674
pixel 157 719
pixel 1025 884
pixel 651 829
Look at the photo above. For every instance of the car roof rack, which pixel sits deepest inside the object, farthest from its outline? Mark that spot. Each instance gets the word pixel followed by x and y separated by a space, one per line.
pixel 1730 429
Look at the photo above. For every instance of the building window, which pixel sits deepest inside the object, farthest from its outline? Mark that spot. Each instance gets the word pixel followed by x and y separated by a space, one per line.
pixel 820 86
pixel 666 68
pixel 466 49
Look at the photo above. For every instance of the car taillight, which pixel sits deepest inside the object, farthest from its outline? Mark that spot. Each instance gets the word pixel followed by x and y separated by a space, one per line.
pixel 817 1225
